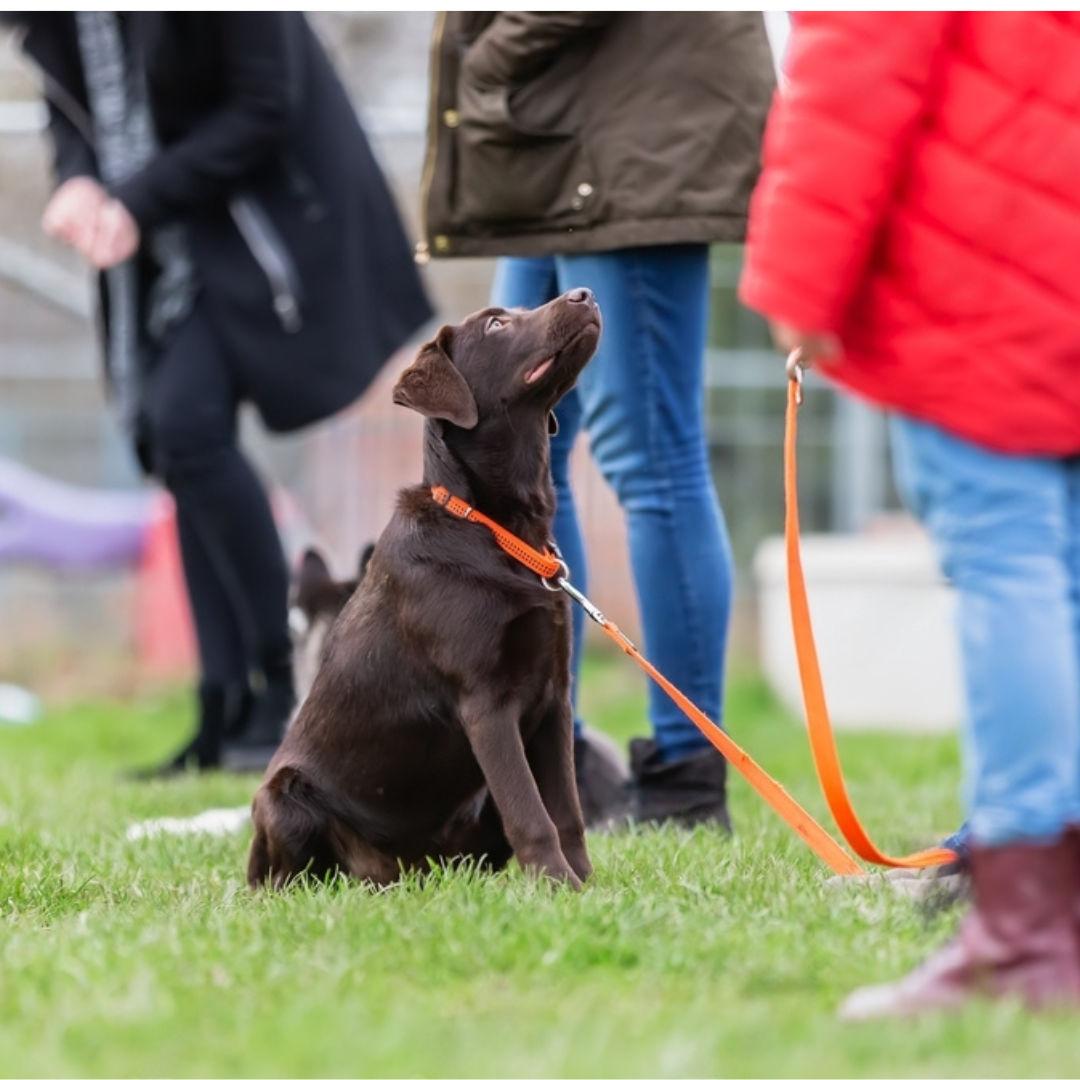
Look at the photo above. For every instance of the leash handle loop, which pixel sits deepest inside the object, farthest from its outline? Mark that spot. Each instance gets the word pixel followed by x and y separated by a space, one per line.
pixel 818 725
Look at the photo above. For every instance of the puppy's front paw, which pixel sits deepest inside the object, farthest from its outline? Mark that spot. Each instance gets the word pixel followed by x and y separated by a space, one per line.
pixel 567 878
pixel 578 858
pixel 558 871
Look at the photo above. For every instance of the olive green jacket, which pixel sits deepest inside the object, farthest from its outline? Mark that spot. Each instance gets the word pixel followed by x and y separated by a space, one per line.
pixel 565 132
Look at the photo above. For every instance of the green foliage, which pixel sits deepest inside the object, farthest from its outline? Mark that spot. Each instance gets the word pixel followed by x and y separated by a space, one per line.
pixel 686 955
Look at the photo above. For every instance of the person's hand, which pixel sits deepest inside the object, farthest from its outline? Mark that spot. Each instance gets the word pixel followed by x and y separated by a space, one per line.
pixel 116 237
pixel 83 215
pixel 72 213
pixel 813 345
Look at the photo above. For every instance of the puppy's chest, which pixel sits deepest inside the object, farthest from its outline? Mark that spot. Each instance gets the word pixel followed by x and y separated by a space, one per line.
pixel 534 648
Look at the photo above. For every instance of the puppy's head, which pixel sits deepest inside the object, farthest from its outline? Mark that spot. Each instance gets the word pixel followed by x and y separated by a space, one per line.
pixel 503 368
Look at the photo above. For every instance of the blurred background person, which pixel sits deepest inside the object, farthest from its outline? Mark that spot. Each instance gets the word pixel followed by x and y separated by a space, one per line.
pixel 608 150
pixel 915 232
pixel 211 166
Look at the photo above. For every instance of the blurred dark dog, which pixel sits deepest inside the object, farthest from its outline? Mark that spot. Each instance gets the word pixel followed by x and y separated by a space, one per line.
pixel 316 599
pixel 439 724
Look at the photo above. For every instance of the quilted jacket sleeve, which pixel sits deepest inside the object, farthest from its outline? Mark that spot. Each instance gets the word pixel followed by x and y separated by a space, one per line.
pixel 858 87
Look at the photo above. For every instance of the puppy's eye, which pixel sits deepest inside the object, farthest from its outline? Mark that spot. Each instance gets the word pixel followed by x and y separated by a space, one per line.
pixel 495 323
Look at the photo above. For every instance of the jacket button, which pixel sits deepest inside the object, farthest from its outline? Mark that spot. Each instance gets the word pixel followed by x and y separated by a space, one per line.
pixel 584 190
pixel 451 118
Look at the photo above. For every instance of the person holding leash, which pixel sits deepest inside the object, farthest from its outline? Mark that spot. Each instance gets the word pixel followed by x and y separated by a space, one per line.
pixel 914 235
pixel 607 150
pixel 211 167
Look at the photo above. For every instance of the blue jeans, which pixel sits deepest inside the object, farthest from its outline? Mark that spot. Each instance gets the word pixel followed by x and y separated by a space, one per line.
pixel 642 402
pixel 1008 533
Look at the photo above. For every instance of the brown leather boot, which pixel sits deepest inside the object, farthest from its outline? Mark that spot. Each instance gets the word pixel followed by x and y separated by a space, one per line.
pixel 1018 941
pixel 1072 838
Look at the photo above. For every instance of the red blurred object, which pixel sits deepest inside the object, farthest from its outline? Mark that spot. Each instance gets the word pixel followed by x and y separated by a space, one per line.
pixel 164 634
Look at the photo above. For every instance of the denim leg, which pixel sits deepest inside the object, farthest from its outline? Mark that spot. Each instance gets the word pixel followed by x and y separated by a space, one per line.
pixel 959 841
pixel 530 283
pixel 1072 473
pixel 643 401
pixel 1006 529
pixel 567 525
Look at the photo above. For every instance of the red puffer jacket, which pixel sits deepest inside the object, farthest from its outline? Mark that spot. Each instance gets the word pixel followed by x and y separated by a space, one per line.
pixel 921 199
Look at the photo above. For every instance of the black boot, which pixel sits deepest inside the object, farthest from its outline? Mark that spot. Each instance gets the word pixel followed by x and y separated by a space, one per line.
pixel 204 750
pixel 602 777
pixel 690 791
pixel 271 706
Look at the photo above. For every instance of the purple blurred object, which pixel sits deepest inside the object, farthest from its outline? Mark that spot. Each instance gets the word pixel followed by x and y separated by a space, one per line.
pixel 66 527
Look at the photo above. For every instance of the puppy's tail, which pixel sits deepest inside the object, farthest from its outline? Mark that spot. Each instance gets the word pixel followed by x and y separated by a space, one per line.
pixel 301 830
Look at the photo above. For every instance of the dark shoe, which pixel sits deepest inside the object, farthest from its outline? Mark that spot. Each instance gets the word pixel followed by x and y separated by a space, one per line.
pixel 204 750
pixel 238 714
pixel 602 776
pixel 1018 941
pixel 271 708
pixel 690 791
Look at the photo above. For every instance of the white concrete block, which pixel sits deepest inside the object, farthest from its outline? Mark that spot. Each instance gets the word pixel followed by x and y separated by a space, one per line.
pixel 884 623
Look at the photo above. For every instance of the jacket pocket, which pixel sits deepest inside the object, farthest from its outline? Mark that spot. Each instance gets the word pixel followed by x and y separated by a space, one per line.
pixel 506 172
pixel 268 249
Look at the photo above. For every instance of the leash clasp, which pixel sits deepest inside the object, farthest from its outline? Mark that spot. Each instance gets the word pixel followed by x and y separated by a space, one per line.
pixel 561 583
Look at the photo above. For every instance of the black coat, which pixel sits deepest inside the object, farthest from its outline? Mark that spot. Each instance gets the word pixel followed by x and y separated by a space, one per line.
pixel 305 268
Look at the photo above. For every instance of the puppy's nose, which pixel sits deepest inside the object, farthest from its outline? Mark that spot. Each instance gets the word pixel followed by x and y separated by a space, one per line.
pixel 581 296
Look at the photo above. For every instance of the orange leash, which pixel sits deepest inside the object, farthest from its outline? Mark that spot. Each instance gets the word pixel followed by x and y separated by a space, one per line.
pixel 774 793
pixel 819 727
pixel 547 566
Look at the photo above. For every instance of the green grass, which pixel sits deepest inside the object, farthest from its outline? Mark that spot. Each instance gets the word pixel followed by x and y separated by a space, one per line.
pixel 686 955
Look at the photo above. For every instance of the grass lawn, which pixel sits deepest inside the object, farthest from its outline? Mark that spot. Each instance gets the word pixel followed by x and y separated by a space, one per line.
pixel 686 955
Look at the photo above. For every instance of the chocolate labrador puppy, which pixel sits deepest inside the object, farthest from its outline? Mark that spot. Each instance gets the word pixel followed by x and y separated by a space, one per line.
pixel 439 724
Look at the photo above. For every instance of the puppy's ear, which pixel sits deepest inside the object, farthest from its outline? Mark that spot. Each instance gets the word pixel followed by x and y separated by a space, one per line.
pixel 365 558
pixel 312 574
pixel 435 388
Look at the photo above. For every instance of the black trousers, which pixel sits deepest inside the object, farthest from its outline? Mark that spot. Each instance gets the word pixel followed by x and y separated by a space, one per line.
pixel 234 565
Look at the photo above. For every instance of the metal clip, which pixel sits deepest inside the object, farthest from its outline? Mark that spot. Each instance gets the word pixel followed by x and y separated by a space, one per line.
pixel 546 582
pixel 580 598
pixel 796 368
